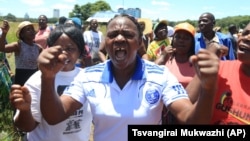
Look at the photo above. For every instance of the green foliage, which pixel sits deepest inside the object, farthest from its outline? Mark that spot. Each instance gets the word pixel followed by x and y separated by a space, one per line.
pixel 9 17
pixel 85 11
pixel 100 6
pixel 239 21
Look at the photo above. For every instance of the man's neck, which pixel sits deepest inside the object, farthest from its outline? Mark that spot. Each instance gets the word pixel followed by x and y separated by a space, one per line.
pixel 209 35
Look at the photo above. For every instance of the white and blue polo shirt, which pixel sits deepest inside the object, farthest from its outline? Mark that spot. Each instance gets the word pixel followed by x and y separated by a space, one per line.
pixel 139 102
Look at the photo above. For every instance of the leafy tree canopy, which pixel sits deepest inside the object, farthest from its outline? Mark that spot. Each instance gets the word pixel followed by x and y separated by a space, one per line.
pixel 85 11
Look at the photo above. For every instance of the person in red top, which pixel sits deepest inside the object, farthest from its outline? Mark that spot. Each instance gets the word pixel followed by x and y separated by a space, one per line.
pixel 43 32
pixel 232 104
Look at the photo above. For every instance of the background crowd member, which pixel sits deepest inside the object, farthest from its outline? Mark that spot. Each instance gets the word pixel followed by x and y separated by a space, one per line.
pixel 217 29
pixel 5 76
pixel 232 33
pixel 146 39
pixel 26 51
pixel 61 21
pixel 170 32
pixel 93 38
pixel 26 98
pixel 82 61
pixel 126 89
pixel 43 31
pixel 207 35
pixel 176 58
pixel 239 33
pixel 74 21
pixel 233 92
pixel 160 41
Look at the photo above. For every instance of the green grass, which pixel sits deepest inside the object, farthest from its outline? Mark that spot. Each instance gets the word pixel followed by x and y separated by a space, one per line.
pixel 11 37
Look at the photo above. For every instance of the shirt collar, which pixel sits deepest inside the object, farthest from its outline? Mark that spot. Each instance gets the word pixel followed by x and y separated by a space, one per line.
pixel 108 76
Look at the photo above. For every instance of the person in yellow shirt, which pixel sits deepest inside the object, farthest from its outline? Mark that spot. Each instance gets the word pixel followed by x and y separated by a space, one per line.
pixel 159 42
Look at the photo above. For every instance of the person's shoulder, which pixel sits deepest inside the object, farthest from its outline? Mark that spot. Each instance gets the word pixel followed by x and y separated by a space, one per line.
pixel 34 79
pixel 222 35
pixel 86 32
pixel 93 73
pixel 197 35
pixel 152 66
pixel 226 65
pixel 100 32
pixel 95 68
pixel 155 73
pixel 40 48
pixel 49 28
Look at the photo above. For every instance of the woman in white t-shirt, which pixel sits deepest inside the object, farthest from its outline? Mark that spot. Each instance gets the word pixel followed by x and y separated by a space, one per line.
pixel 26 99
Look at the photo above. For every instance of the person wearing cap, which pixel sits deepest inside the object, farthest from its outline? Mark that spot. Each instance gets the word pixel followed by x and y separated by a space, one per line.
pixel 82 61
pixel 146 39
pixel 159 42
pixel 176 58
pixel 74 21
pixel 43 31
pixel 25 50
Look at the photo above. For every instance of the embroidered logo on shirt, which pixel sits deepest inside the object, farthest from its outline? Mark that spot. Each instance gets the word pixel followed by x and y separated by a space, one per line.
pixel 91 93
pixel 152 96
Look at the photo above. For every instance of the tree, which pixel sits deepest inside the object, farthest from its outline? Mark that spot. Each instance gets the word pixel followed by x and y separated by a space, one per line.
pixel 85 11
pixel 10 17
pixel 100 6
pixel 76 11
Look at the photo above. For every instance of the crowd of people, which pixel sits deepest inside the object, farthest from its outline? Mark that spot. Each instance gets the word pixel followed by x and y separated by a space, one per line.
pixel 67 79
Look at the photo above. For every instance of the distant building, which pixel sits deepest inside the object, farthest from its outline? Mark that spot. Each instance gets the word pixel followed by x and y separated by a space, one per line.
pixel 135 12
pixel 56 13
pixel 26 16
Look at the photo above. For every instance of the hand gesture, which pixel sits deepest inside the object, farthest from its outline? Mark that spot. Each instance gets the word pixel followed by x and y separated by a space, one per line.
pixel 206 64
pixel 166 54
pixel 52 60
pixel 5 28
pixel 20 97
pixel 219 49
pixel 169 50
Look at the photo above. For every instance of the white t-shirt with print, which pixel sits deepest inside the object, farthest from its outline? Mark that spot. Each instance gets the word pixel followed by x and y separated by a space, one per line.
pixel 77 127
